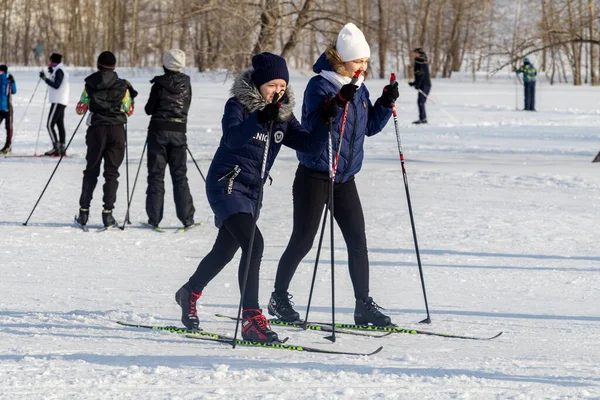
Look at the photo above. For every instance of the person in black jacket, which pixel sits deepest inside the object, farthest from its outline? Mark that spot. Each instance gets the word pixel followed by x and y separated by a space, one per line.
pixel 422 83
pixel 109 101
pixel 169 102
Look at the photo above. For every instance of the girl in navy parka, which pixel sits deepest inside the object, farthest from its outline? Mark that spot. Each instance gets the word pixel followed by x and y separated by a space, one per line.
pixel 335 68
pixel 232 184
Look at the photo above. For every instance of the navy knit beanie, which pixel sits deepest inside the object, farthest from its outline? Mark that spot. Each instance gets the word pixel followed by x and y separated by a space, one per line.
pixel 3 68
pixel 107 60
pixel 269 66
pixel 56 58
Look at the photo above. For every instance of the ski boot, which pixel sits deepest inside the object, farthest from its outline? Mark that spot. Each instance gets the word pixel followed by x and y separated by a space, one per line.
pixel 84 214
pixel 108 219
pixel 55 151
pixel 280 307
pixel 6 151
pixel 420 122
pixel 367 312
pixel 256 328
pixel 62 150
pixel 187 299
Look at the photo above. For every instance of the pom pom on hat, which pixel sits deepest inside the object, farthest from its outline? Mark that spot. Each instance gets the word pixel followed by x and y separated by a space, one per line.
pixel 351 43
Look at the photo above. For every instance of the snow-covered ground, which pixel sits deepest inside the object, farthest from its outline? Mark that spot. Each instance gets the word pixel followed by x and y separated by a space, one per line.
pixel 506 206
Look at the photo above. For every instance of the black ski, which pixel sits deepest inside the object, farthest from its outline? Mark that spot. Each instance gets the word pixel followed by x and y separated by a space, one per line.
pixel 181 331
pixel 597 158
pixel 282 346
pixel 312 327
pixel 82 227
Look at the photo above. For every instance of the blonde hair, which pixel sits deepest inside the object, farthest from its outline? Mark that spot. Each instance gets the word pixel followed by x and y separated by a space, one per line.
pixel 336 62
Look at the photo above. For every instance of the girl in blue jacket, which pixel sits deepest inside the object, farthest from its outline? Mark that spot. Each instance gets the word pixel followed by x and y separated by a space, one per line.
pixel 335 68
pixel 232 184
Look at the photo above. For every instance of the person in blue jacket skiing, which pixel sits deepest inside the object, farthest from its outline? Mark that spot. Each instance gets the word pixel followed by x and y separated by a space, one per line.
pixel 335 68
pixel 8 87
pixel 232 183
pixel 529 73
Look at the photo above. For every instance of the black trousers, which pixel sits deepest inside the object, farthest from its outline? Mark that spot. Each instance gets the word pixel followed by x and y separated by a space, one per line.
pixel 7 116
pixel 421 100
pixel 105 142
pixel 56 118
pixel 310 193
pixel 168 148
pixel 529 96
pixel 234 233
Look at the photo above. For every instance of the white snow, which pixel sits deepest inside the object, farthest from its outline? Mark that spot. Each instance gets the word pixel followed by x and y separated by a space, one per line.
pixel 506 208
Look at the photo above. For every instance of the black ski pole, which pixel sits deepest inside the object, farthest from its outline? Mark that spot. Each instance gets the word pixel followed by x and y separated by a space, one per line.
pixel 41 120
pixel 28 104
pixel 319 246
pixel 133 188
pixel 261 182
pixel 55 168
pixel 412 220
pixel 194 160
pixel 127 174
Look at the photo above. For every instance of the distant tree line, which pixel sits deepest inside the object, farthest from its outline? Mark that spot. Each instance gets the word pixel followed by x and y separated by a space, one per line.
pixel 458 35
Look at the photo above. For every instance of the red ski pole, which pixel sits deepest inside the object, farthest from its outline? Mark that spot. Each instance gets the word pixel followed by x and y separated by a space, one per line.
pixel 412 220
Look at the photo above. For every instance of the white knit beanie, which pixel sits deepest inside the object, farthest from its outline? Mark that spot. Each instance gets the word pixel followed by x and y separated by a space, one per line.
pixel 351 43
pixel 174 60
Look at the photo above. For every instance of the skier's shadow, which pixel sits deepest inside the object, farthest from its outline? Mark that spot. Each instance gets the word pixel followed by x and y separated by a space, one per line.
pixel 43 224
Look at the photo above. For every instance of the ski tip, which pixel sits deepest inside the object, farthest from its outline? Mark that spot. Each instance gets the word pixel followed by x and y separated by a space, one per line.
pixel 376 351
pixel 495 336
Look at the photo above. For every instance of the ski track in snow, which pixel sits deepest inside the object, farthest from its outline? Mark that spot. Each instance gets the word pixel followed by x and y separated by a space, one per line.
pixel 506 208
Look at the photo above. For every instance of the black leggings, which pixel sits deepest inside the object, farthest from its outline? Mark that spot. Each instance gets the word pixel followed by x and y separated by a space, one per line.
pixel 56 117
pixel 310 192
pixel 234 233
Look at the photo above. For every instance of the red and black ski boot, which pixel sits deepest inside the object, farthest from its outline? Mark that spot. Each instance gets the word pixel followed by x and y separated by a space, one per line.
pixel 256 328
pixel 187 299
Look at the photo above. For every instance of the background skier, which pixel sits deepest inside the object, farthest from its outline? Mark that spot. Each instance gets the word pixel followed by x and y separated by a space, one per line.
pixel 422 82
pixel 58 96
pixel 8 87
pixel 529 73
pixel 110 101
pixel 168 104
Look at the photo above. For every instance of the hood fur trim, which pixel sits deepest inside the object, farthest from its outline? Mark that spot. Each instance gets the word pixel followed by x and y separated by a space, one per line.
pixel 244 90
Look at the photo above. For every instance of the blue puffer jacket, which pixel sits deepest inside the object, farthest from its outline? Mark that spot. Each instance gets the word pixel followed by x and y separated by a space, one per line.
pixel 363 119
pixel 233 178
pixel 4 84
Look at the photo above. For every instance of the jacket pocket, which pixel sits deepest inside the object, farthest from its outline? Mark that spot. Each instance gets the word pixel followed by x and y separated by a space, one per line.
pixel 230 176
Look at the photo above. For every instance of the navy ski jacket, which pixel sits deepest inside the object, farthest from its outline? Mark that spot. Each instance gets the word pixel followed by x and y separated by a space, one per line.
pixel 363 119
pixel 233 179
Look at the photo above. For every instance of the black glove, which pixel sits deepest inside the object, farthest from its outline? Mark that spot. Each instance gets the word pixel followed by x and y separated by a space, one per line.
pixel 330 110
pixel 269 113
pixel 42 75
pixel 411 84
pixel 390 95
pixel 11 78
pixel 346 94
pixel 50 70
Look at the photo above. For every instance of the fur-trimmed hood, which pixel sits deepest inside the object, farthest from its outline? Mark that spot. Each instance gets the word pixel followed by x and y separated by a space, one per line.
pixel 245 92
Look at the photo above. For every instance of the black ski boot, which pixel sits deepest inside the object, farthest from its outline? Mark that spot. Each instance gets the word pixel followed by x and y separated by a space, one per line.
pixel 84 214
pixel 6 150
pixel 108 219
pixel 62 151
pixel 187 299
pixel 54 152
pixel 367 312
pixel 421 121
pixel 256 328
pixel 280 307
